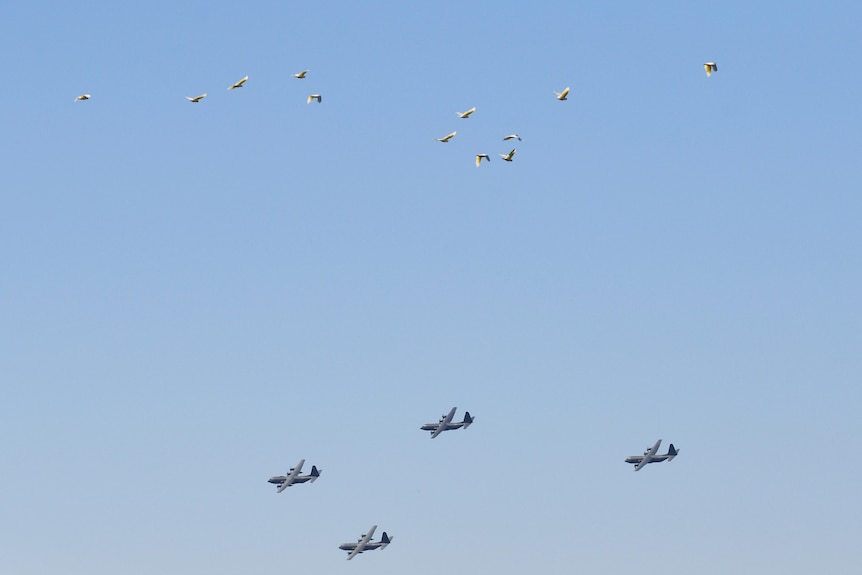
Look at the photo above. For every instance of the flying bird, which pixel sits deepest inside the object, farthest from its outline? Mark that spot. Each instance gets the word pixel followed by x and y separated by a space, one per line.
pixel 82 97
pixel 467 113
pixel 512 137
pixel 238 84
pixel 446 138
pixel 314 97
pixel 301 75
pixel 508 157
pixel 480 157
pixel 196 99
pixel 710 67
pixel 562 95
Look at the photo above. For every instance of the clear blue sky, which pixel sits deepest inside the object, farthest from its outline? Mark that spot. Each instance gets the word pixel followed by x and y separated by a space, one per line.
pixel 195 296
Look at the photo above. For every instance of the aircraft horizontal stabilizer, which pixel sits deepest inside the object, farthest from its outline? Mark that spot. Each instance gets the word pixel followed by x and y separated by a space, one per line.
pixel 467 419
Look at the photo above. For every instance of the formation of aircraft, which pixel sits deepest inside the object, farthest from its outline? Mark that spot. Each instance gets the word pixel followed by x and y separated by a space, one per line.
pixel 365 543
pixel 293 476
pixel 650 456
pixel 445 423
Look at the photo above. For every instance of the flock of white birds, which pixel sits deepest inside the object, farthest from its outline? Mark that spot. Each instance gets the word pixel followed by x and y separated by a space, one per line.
pixel 238 84
pixel 507 157
pixel 709 68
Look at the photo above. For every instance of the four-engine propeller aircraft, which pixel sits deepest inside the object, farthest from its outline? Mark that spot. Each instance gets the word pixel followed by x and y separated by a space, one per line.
pixel 293 476
pixel 446 424
pixel 650 456
pixel 365 543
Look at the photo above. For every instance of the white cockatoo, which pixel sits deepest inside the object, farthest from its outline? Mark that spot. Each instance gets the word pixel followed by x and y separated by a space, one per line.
pixel 238 84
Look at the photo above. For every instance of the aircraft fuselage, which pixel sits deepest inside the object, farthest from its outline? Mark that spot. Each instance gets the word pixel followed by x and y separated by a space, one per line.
pixel 434 426
pixel 367 547
pixel 279 479
pixel 653 459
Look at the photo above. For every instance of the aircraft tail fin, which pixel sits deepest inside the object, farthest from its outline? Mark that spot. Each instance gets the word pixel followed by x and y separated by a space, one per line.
pixel 671 452
pixel 385 540
pixel 467 419
pixel 315 473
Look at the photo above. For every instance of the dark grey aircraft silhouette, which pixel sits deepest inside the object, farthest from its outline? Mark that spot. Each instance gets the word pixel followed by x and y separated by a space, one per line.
pixel 365 543
pixel 293 476
pixel 650 456
pixel 445 423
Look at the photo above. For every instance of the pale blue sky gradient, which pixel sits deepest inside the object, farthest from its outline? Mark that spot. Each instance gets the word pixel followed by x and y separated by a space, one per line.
pixel 195 296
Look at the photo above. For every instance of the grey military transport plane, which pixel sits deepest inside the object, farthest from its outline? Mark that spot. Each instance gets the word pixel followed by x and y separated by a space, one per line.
pixel 446 424
pixel 365 543
pixel 650 456
pixel 293 476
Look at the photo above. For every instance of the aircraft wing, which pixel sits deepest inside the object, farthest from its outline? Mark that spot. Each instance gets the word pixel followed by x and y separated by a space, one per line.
pixel 291 477
pixel 360 546
pixel 648 455
pixel 444 423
